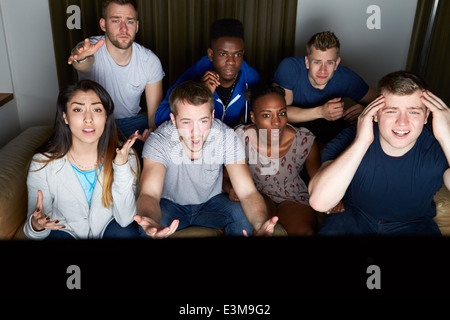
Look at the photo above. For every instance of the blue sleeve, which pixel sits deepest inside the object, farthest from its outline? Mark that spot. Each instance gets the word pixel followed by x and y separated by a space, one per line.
pixel 287 73
pixel 356 87
pixel 338 145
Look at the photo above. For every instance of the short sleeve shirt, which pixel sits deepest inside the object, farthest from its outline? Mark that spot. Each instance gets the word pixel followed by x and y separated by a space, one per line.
pixel 125 84
pixel 393 188
pixel 292 74
pixel 193 182
pixel 279 178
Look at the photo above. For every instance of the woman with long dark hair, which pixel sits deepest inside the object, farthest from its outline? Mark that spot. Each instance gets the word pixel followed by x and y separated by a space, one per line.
pixel 82 180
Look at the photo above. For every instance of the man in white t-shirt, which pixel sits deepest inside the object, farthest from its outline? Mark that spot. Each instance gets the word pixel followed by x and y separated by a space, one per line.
pixel 123 67
pixel 181 182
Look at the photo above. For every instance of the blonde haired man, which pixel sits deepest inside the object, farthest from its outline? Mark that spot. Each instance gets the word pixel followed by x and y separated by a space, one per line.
pixel 316 84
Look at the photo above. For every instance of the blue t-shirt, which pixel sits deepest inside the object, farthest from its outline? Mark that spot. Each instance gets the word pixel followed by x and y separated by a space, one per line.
pixel 293 75
pixel 87 179
pixel 393 188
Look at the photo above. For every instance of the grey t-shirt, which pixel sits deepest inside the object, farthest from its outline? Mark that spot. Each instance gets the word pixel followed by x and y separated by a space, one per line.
pixel 124 84
pixel 193 182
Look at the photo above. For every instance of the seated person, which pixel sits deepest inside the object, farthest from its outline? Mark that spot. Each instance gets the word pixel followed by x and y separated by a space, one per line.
pixel 315 86
pixel 276 153
pixel 225 73
pixel 388 168
pixel 82 180
pixel 123 67
pixel 182 175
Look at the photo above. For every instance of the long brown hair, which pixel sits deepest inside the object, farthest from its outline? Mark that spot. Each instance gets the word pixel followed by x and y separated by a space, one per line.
pixel 60 141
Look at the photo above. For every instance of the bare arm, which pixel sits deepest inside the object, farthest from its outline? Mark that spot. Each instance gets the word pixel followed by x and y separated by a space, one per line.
pixel 331 110
pixel 251 200
pixel 153 97
pixel 147 205
pixel 82 51
pixel 329 184
pixel 441 126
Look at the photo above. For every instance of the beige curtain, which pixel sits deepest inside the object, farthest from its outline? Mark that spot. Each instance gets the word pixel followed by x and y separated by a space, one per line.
pixel 178 31
pixel 430 47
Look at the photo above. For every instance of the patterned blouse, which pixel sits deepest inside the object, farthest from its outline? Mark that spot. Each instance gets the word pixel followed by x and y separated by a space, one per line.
pixel 279 178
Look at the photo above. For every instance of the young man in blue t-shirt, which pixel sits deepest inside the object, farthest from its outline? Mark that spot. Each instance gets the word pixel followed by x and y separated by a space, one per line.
pixel 387 172
pixel 225 73
pixel 316 84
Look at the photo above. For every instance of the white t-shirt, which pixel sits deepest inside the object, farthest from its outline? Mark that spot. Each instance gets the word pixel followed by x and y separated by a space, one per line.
pixel 124 84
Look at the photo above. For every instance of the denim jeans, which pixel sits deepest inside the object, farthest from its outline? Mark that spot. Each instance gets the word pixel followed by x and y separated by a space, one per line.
pixel 112 231
pixel 219 212
pixel 351 222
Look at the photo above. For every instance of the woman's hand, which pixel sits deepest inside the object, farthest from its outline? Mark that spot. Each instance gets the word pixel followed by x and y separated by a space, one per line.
pixel 39 221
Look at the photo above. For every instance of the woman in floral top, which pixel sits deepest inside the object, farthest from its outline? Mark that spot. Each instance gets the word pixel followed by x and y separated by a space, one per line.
pixel 275 153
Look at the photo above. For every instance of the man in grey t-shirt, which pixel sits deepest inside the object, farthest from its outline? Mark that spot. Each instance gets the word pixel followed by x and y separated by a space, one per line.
pixel 123 67
pixel 181 183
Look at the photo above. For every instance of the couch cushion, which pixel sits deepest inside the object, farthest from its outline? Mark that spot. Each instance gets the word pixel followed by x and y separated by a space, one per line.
pixel 442 200
pixel 14 159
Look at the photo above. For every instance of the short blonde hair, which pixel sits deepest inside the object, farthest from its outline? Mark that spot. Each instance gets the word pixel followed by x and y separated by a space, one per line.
pixel 323 41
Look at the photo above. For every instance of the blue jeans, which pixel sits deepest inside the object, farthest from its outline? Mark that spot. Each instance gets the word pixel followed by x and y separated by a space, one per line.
pixel 128 126
pixel 219 212
pixel 351 222
pixel 112 231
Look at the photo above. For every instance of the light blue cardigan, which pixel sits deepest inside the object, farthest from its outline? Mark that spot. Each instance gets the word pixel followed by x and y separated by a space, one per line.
pixel 64 198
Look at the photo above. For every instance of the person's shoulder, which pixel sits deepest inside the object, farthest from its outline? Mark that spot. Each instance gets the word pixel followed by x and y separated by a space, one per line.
pixel 144 53
pixel 297 61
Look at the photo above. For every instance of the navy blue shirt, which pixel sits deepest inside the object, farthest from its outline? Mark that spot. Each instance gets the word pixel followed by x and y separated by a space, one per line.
pixel 293 75
pixel 393 188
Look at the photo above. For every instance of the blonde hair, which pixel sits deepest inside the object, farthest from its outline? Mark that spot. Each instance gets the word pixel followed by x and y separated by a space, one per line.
pixel 323 41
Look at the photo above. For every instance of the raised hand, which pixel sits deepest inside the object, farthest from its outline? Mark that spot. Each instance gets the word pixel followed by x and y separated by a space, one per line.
pixel 351 114
pixel 154 229
pixel 441 116
pixel 39 220
pixel 84 49
pixel 211 80
pixel 366 118
pixel 122 154
pixel 333 109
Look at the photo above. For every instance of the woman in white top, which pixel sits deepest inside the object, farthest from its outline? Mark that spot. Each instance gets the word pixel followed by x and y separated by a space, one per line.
pixel 82 180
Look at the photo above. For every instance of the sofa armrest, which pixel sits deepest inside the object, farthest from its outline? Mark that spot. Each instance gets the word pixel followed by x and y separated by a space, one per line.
pixel 442 219
pixel 14 159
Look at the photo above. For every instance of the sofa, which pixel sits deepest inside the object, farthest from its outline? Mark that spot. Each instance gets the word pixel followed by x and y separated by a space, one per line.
pixel 14 161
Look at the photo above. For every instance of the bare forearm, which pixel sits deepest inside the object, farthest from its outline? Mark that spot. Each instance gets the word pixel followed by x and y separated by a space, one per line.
pixel 296 114
pixel 330 183
pixel 255 209
pixel 85 65
pixel 148 206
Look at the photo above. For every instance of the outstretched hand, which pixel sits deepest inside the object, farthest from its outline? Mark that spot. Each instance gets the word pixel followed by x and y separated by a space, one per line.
pixel 122 154
pixel 266 229
pixel 39 220
pixel 154 229
pixel 84 49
